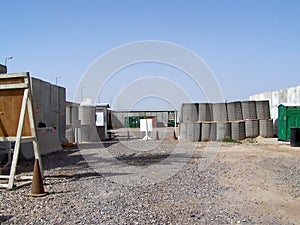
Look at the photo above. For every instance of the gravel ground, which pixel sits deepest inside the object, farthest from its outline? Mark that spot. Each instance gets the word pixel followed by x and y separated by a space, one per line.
pixel 228 192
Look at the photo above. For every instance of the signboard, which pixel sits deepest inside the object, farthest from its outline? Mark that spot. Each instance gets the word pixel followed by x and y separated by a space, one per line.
pixel 99 119
pixel 145 124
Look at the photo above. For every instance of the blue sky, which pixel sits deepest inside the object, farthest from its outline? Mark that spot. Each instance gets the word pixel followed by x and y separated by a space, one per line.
pixel 251 46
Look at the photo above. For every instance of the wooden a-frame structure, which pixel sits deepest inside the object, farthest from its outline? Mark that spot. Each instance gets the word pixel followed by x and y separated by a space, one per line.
pixel 17 121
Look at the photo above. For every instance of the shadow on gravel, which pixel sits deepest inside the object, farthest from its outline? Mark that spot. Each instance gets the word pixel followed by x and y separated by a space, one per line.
pixel 149 159
pixel 4 218
pixel 142 160
pixel 90 175
pixel 65 158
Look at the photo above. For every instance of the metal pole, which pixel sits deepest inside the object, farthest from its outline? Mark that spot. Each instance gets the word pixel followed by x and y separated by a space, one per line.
pixel 56 78
pixel 5 61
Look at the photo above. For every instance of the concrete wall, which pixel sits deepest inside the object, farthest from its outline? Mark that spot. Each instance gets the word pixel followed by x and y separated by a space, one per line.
pixel 49 103
pixel 289 95
pixel 48 140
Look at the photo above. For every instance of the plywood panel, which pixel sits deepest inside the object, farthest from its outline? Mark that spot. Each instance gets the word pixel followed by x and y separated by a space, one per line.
pixel 10 108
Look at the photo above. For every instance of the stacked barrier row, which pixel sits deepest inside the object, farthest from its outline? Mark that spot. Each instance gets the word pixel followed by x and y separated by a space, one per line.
pixel 216 121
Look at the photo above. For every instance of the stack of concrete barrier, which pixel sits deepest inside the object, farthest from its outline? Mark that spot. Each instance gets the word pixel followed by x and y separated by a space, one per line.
pixel 218 121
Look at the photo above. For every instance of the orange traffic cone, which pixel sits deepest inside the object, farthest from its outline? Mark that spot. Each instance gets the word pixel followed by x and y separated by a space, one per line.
pixel 37 187
pixel 174 135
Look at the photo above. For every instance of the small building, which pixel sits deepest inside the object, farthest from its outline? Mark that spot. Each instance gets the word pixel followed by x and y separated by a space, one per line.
pixel 288 117
pixel 3 69
pixel 86 122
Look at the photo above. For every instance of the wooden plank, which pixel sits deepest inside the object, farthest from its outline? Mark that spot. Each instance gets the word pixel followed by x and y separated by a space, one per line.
pixel 23 177
pixel 13 75
pixel 12 80
pixel 25 139
pixel 17 177
pixel 10 107
pixel 13 86
pixel 37 153
pixel 19 185
pixel 13 167
pixel 10 104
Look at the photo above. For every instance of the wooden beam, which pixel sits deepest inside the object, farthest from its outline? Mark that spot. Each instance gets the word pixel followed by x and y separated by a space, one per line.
pixel 13 75
pixel 13 168
pixel 13 86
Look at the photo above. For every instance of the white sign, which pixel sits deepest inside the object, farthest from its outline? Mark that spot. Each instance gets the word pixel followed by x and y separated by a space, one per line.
pixel 99 119
pixel 145 124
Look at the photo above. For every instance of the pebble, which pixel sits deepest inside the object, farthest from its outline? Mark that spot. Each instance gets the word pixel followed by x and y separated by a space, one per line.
pixel 189 197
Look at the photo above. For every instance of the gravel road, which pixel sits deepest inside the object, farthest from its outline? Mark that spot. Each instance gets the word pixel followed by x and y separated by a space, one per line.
pixel 248 183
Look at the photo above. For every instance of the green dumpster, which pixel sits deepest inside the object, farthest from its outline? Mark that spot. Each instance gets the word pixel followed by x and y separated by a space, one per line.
pixel 288 117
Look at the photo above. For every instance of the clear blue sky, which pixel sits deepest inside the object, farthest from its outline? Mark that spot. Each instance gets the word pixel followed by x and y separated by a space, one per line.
pixel 252 46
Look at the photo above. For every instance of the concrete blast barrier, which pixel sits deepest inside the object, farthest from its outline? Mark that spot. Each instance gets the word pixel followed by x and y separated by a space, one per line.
pixel 49 142
pixel 223 130
pixel 220 112
pixel 238 130
pixel 266 128
pixel 71 114
pixel 70 134
pixel 262 110
pixel 189 112
pixel 249 110
pixel 41 92
pixel 208 131
pixel 71 117
pixel 62 114
pixel 234 110
pixel 205 112
pixel 190 132
pixel 87 115
pixel 50 110
pixel 87 131
pixel 251 128
pixel 58 107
